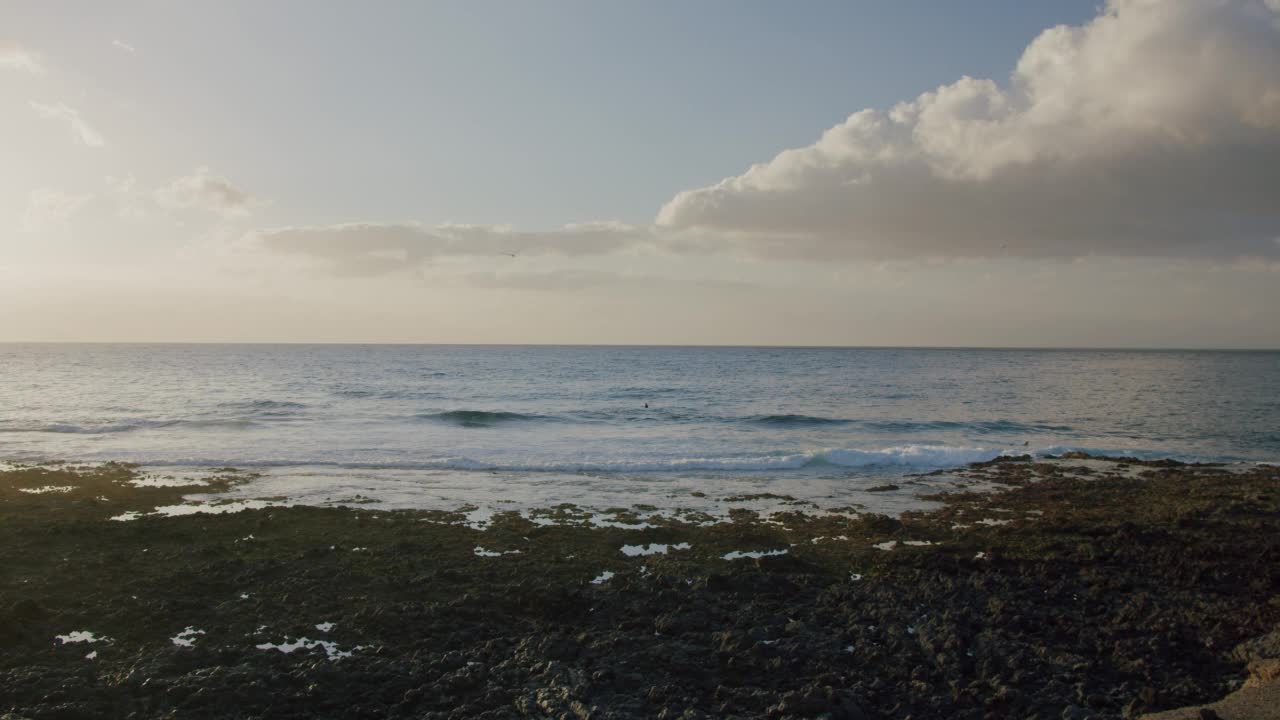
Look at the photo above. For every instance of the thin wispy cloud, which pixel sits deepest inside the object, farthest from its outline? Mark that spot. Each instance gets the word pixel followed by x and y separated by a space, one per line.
pixel 122 45
pixel 379 248
pixel 81 130
pixel 1152 130
pixel 15 57
pixel 49 208
pixel 201 190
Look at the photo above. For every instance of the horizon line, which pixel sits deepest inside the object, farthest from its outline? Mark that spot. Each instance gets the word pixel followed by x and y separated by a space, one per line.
pixel 745 346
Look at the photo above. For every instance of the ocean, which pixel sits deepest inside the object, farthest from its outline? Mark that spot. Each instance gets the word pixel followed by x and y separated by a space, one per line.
pixel 410 424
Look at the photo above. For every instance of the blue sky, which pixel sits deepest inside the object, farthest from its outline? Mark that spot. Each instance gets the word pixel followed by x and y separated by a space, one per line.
pixel 535 114
pixel 865 173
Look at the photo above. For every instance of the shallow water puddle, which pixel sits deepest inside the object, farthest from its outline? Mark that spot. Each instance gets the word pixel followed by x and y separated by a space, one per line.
pixel 80 636
pixel 654 549
pixel 603 522
pixel 48 489
pixel 891 544
pixel 481 552
pixel 202 508
pixel 330 648
pixel 753 554
pixel 189 478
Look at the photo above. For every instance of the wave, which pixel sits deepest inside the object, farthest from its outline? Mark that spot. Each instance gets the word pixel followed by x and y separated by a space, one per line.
pixel 264 408
pixel 982 427
pixel 124 426
pixel 229 423
pixel 791 419
pixel 85 428
pixel 478 418
pixel 649 392
pixel 929 456
pixel 386 394
pixel 900 458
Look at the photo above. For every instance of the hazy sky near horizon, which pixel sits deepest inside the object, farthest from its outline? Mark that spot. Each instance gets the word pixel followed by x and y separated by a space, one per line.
pixel 871 173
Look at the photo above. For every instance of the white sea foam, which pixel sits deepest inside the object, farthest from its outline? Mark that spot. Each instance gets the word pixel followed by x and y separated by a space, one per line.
pixel 172 477
pixel 186 638
pixel 905 456
pixel 47 489
pixel 219 507
pixel 80 636
pixel 483 495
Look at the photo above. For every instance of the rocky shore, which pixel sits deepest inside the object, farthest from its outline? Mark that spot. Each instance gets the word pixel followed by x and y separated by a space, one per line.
pixel 1072 588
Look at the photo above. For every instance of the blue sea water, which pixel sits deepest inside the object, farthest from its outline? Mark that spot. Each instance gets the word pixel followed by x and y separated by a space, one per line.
pixel 604 411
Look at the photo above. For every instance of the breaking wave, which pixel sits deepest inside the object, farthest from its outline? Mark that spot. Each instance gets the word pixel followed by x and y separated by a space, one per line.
pixel 899 458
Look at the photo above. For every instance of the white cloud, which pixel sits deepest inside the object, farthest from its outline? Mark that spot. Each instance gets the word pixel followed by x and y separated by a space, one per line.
pixel 201 190
pixel 80 129
pixel 48 208
pixel 14 57
pixel 376 248
pixel 122 45
pixel 1152 130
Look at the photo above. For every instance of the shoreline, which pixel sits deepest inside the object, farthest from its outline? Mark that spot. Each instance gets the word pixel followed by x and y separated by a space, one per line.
pixel 1109 586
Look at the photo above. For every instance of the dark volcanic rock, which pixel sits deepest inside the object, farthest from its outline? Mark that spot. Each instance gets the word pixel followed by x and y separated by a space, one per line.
pixel 1099 598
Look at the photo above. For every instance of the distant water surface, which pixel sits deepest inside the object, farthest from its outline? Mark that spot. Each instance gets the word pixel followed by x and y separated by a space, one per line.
pixel 582 410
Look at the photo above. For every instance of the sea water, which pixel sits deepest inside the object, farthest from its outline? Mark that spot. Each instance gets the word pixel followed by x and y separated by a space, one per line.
pixel 575 420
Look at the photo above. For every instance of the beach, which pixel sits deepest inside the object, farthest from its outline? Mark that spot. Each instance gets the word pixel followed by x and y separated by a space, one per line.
pixel 1070 586
pixel 601 360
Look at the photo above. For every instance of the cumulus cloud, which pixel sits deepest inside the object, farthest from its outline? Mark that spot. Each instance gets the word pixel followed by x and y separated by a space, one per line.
pixel 48 208
pixel 14 57
pixel 201 190
pixel 377 248
pixel 1152 130
pixel 81 130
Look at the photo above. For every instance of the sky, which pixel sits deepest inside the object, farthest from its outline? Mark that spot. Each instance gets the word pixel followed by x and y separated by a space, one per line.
pixel 994 173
